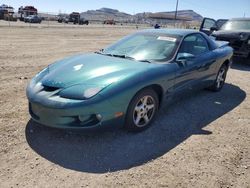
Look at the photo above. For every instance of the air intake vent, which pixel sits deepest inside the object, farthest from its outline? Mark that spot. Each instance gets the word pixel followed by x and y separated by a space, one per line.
pixel 49 88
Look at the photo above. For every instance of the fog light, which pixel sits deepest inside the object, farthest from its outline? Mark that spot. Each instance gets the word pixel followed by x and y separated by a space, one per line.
pixel 83 118
pixel 99 117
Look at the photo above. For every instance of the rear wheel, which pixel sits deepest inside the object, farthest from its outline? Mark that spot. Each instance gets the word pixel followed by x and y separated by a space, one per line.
pixel 220 79
pixel 142 110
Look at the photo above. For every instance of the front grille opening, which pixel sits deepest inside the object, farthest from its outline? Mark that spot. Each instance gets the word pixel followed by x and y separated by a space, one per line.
pixel 87 121
pixel 49 88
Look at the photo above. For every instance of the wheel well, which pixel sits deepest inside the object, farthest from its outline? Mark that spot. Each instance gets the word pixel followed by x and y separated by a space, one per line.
pixel 227 63
pixel 158 89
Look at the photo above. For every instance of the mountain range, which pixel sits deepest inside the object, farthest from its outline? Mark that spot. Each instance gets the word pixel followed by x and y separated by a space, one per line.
pixel 145 17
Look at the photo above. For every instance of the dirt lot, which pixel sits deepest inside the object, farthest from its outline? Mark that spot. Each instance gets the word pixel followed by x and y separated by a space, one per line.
pixel 201 140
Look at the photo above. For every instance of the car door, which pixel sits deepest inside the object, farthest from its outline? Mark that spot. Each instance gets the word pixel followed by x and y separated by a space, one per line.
pixel 209 25
pixel 194 59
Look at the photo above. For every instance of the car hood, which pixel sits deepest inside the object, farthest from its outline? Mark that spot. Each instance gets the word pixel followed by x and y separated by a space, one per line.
pixel 91 69
pixel 236 34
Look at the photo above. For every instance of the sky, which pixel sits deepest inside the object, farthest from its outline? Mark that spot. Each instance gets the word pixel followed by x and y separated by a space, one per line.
pixel 207 8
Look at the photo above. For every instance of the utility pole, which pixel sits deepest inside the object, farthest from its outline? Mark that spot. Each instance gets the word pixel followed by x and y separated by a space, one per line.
pixel 176 10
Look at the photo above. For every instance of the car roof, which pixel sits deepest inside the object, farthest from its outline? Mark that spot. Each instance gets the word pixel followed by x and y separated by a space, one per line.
pixel 240 19
pixel 180 32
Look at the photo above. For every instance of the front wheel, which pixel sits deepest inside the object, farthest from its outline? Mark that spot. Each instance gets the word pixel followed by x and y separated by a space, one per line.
pixel 220 79
pixel 142 110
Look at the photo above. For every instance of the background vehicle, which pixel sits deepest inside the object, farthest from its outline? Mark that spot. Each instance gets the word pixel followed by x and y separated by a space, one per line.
pixel 33 19
pixel 109 22
pixel 157 26
pixel 63 19
pixel 26 11
pixel 126 83
pixel 236 31
pixel 74 17
pixel 7 13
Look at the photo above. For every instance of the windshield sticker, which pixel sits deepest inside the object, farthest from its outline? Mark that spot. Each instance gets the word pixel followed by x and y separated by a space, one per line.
pixel 171 39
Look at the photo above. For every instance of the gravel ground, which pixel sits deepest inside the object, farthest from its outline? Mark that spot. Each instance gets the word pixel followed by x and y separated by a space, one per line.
pixel 199 140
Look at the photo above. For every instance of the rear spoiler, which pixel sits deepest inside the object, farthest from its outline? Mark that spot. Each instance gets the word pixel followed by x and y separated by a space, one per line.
pixel 221 44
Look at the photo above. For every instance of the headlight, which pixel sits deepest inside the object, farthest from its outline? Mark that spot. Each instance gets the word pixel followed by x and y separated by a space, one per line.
pixel 80 92
pixel 243 36
pixel 248 42
pixel 91 92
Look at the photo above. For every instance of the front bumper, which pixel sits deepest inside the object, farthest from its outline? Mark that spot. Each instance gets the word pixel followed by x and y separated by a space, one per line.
pixel 54 111
pixel 87 117
pixel 47 108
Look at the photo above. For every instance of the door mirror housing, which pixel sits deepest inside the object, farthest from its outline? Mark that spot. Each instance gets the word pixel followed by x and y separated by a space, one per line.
pixel 184 57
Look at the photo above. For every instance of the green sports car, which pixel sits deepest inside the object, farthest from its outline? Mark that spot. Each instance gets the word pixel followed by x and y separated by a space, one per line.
pixel 126 83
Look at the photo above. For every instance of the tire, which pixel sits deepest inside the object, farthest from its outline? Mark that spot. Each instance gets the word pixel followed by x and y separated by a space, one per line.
pixel 220 79
pixel 142 110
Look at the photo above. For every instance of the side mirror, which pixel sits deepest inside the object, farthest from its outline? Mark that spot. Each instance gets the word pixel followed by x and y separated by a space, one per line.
pixel 213 29
pixel 184 56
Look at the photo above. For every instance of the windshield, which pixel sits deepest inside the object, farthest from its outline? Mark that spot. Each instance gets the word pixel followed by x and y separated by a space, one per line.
pixel 236 25
pixel 145 47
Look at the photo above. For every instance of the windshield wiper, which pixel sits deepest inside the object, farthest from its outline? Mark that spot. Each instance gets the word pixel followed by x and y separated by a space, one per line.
pixel 145 60
pixel 100 52
pixel 114 55
pixel 132 58
pixel 122 56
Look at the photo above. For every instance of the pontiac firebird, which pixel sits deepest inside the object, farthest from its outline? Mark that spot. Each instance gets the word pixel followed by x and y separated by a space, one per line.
pixel 126 83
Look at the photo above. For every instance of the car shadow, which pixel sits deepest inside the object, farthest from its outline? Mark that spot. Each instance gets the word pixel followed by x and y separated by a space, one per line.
pixel 109 151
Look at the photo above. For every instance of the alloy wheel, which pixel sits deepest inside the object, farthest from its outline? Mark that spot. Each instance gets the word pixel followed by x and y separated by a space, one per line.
pixel 221 77
pixel 144 111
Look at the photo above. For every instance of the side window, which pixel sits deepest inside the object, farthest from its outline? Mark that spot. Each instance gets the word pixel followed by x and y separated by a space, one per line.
pixel 194 44
pixel 208 24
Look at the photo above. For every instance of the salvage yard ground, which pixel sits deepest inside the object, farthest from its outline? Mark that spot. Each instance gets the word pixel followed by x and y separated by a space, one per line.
pixel 201 140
